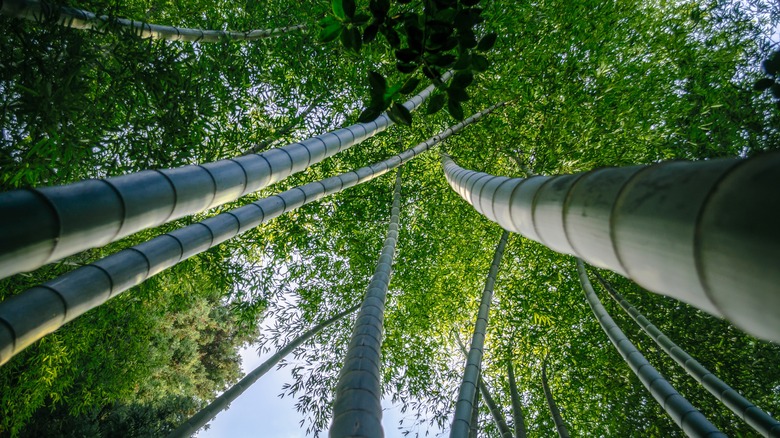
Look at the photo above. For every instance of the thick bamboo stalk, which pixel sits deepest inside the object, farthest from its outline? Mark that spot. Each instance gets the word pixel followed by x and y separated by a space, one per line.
pixel 463 406
pixel 690 420
pixel 703 232
pixel 39 11
pixel 754 416
pixel 560 426
pixel 30 315
pixel 357 408
pixel 222 402
pixel 39 226
pixel 517 406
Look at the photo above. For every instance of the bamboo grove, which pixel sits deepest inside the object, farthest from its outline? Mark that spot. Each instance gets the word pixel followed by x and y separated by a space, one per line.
pixel 182 180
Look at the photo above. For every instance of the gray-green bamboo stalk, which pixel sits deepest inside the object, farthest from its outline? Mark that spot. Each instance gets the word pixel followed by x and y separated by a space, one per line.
pixel 222 402
pixel 39 11
pixel 495 411
pixel 690 420
pixel 357 408
pixel 703 232
pixel 30 315
pixel 754 416
pixel 41 225
pixel 517 406
pixel 560 426
pixel 463 406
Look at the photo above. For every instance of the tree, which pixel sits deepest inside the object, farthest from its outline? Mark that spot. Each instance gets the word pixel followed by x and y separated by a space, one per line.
pixel 684 414
pixel 594 84
pixel 560 426
pixel 614 217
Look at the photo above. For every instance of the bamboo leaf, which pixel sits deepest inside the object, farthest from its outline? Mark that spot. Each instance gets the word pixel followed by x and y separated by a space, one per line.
pixel 330 33
pixel 436 103
pixel 399 114
pixel 455 109
pixel 338 9
pixel 349 8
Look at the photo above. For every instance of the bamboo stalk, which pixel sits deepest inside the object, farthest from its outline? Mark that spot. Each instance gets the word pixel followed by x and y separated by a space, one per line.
pixel 357 408
pixel 32 314
pixel 690 420
pixel 39 226
pixel 754 416
pixel 39 11
pixel 702 232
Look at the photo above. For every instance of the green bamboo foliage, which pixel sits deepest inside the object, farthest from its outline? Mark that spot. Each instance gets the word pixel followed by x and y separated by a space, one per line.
pixel 30 315
pixel 468 387
pixel 754 416
pixel 284 130
pixel 39 226
pixel 39 11
pixel 703 232
pixel 690 420
pixel 191 426
pixel 517 406
pixel 357 409
pixel 560 426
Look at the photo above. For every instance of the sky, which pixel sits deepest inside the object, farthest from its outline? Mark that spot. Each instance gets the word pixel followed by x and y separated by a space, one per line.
pixel 260 412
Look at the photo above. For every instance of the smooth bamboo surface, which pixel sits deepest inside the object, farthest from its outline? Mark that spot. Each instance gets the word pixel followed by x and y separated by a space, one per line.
pixel 468 387
pixel 690 420
pixel 357 408
pixel 703 232
pixel 42 225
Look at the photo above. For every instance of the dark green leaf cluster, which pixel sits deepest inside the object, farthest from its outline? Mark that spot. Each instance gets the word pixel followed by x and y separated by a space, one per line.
pixel 440 38
pixel 771 67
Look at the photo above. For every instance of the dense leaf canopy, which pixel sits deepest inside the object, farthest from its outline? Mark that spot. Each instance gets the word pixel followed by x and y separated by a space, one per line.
pixel 592 83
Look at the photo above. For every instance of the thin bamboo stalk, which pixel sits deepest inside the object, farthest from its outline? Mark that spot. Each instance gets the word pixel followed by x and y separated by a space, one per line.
pixel 495 410
pixel 754 416
pixel 703 232
pixel 189 427
pixel 39 11
pixel 560 426
pixel 41 225
pixel 463 406
pixel 690 420
pixel 30 315
pixel 517 406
